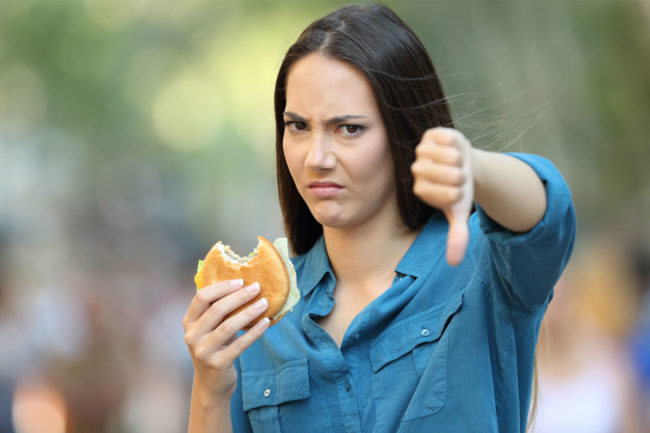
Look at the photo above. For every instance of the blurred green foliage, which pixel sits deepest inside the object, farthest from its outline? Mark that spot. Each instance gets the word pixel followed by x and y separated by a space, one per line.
pixel 187 87
pixel 136 133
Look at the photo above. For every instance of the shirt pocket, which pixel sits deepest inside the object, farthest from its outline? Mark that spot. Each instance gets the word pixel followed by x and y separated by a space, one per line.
pixel 409 362
pixel 263 393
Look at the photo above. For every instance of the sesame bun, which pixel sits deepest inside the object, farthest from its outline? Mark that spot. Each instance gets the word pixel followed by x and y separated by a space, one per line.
pixel 268 264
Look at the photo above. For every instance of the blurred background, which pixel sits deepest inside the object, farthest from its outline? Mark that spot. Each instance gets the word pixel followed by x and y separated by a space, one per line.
pixel 136 133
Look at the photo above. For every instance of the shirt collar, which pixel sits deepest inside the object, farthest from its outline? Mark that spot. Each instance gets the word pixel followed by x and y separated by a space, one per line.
pixel 426 249
pixel 423 252
pixel 318 264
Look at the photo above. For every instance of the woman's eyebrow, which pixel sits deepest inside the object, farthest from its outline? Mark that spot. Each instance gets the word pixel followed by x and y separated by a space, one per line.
pixel 333 120
pixel 345 118
pixel 294 116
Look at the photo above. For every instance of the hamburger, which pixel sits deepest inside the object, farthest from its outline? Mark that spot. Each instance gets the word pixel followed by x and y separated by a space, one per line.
pixel 268 264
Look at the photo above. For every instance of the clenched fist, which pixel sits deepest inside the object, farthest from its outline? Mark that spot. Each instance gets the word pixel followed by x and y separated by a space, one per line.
pixel 444 179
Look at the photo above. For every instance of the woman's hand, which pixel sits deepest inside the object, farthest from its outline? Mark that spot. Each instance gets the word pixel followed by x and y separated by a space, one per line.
pixel 444 179
pixel 213 341
pixel 450 175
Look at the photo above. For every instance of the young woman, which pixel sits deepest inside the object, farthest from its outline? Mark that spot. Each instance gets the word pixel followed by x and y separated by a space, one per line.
pixel 375 186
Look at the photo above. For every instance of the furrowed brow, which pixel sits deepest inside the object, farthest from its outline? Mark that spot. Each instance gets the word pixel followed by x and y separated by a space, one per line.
pixel 345 118
pixel 295 117
pixel 331 121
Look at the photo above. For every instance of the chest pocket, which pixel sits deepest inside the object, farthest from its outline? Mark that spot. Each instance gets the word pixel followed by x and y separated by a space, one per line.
pixel 263 393
pixel 409 363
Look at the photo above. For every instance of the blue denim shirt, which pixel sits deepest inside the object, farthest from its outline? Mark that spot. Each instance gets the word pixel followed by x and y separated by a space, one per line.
pixel 444 349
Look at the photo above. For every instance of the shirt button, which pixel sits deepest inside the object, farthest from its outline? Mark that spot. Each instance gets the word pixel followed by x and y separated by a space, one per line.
pixel 425 332
pixel 267 392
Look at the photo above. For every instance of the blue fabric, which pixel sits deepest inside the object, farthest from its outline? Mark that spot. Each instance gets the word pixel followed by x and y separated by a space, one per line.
pixel 444 349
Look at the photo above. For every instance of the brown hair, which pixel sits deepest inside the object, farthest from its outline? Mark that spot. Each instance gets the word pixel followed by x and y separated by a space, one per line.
pixel 373 39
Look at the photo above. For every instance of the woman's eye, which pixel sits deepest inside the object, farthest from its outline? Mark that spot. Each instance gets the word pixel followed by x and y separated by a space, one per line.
pixel 351 129
pixel 295 126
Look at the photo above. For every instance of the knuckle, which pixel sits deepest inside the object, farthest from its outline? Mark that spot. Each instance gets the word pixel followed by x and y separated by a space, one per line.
pixel 456 177
pixel 215 309
pixel 220 363
pixel 202 297
pixel 202 354
pixel 456 157
pixel 417 187
pixel 226 329
pixel 241 344
pixel 190 337
pixel 430 133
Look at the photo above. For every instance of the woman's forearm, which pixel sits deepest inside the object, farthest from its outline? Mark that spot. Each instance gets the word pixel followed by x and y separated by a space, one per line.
pixel 508 190
pixel 207 414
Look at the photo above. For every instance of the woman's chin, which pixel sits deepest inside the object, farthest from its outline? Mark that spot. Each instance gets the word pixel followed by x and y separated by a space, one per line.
pixel 335 216
pixel 330 219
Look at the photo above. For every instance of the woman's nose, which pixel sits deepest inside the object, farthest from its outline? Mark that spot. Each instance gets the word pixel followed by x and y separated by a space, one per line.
pixel 320 156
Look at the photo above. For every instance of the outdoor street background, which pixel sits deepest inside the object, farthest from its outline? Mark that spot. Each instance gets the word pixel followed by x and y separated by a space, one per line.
pixel 135 134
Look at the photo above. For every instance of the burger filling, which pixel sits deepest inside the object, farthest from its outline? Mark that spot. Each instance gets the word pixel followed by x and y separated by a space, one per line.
pixel 282 246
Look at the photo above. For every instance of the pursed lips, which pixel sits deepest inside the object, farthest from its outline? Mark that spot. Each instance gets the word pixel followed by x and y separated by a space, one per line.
pixel 324 188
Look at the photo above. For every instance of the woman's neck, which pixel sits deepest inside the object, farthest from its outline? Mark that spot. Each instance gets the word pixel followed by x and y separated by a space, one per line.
pixel 362 255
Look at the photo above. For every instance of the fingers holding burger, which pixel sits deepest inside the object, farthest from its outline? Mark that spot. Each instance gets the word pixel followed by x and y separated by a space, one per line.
pixel 268 265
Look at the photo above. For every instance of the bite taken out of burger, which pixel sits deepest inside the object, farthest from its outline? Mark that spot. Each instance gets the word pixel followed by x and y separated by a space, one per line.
pixel 268 264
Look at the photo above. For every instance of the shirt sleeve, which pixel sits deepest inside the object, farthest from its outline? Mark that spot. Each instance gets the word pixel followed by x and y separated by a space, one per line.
pixel 529 264
pixel 239 419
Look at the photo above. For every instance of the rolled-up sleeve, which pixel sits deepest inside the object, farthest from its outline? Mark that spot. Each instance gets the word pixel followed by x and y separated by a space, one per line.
pixel 529 264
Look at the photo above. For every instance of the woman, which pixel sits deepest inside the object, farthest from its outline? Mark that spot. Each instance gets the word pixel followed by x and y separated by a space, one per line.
pixel 375 185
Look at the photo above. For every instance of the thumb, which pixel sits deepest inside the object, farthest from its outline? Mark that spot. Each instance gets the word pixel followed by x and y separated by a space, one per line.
pixel 457 238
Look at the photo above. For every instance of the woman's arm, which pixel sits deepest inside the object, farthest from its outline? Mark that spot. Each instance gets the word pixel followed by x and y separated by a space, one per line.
pixel 214 346
pixel 207 412
pixel 508 190
pixel 450 175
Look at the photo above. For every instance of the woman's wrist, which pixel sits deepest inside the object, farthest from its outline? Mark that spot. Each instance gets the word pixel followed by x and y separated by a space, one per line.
pixel 208 397
pixel 209 410
pixel 508 190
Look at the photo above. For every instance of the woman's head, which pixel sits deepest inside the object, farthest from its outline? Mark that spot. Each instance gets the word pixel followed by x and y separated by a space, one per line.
pixel 372 39
pixel 336 146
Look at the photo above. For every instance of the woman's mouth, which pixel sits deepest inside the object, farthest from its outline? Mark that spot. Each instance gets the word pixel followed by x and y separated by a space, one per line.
pixel 324 189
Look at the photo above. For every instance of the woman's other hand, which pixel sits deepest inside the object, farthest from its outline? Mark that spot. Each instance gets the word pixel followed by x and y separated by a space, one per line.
pixel 443 178
pixel 213 341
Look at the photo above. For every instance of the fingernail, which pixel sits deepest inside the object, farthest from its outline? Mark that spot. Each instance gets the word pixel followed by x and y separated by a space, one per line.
pixel 253 288
pixel 262 324
pixel 260 305
pixel 236 283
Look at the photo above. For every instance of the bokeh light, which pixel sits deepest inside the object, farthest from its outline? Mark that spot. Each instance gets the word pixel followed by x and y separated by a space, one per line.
pixel 114 15
pixel 187 113
pixel 39 409
pixel 23 98
pixel 129 192
pixel 135 134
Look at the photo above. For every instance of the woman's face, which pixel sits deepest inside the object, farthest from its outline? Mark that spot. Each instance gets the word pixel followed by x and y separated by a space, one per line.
pixel 335 144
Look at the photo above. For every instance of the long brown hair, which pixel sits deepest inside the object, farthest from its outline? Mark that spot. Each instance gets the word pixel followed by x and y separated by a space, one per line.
pixel 373 39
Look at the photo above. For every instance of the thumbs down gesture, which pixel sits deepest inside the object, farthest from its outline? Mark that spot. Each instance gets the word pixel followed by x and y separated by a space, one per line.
pixel 444 179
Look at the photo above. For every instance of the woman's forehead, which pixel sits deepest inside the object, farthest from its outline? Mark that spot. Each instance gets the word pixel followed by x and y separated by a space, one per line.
pixel 330 87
